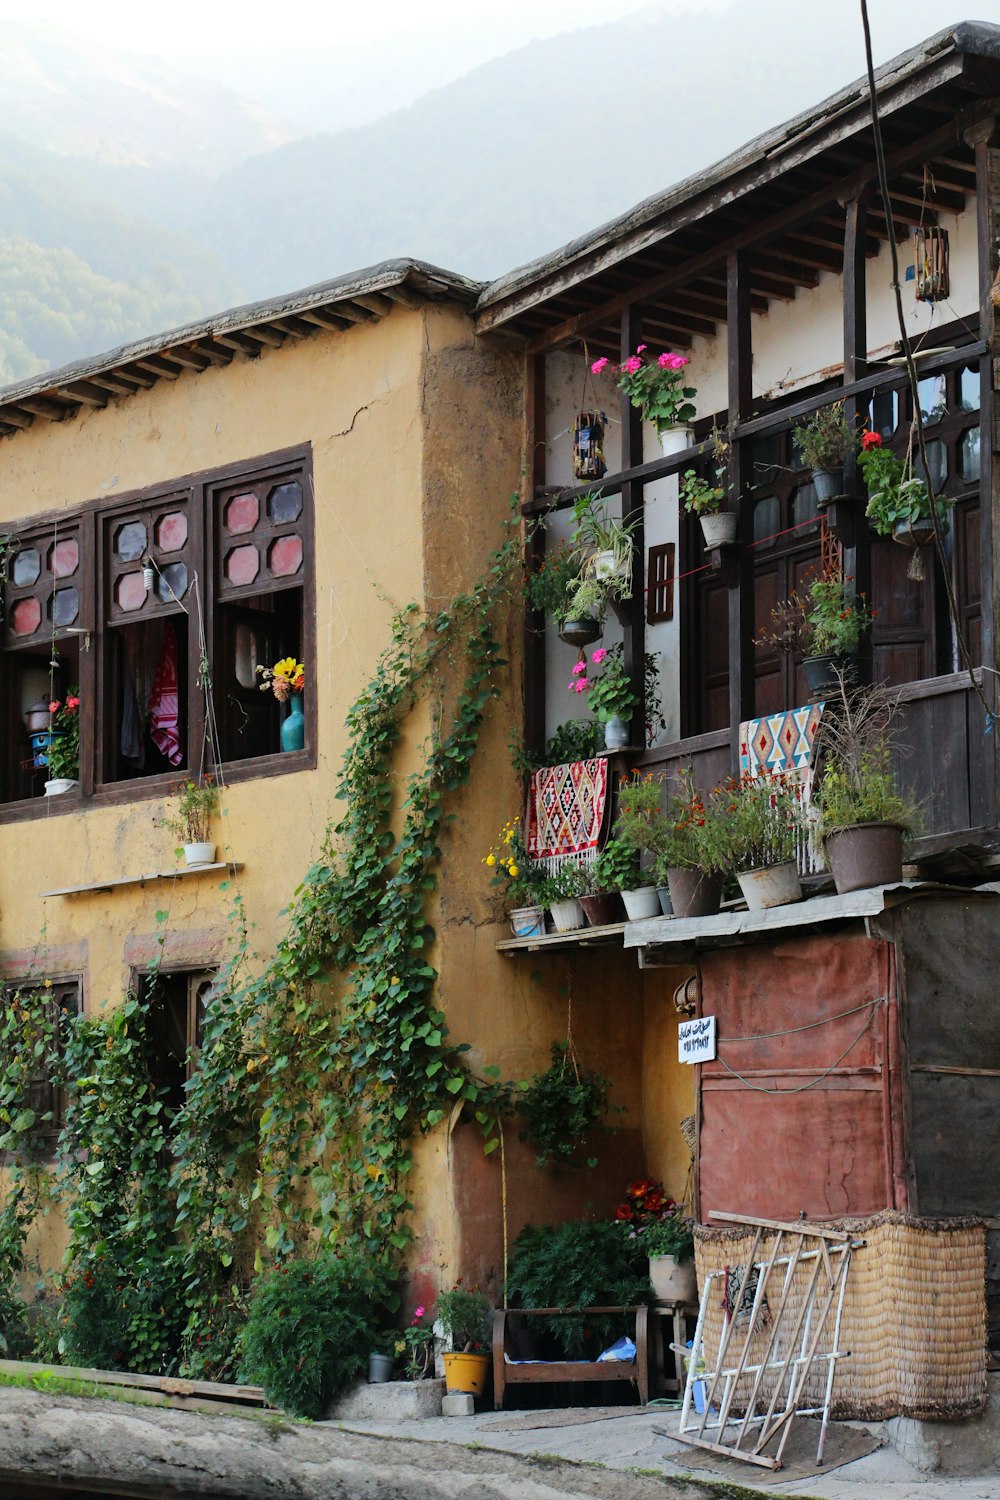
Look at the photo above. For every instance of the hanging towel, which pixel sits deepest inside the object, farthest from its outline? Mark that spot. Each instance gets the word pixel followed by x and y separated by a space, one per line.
pixel 565 811
pixel 164 707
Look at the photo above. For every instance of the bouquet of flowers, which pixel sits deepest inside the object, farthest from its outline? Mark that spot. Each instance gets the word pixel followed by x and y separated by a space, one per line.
pixel 284 678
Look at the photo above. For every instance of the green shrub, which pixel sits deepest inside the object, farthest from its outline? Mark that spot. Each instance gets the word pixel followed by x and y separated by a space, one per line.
pixel 560 1107
pixel 125 1319
pixel 580 1264
pixel 310 1328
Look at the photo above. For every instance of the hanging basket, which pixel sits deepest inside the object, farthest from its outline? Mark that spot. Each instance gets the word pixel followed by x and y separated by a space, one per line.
pixel 916 534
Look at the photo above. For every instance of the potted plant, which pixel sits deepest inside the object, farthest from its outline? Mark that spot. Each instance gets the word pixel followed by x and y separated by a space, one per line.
pixel 826 626
pixel 464 1315
pixel 197 804
pixel 761 818
pixel 602 547
pixel 656 387
pixel 611 872
pixel 899 504
pixel 62 752
pixel 863 817
pixel 586 603
pixel 561 893
pixel 609 696
pixel 561 1108
pixel 416 1345
pixel 694 853
pixel 522 881
pixel 548 588
pixel 657 1224
pixel 825 442
pixel 641 825
pixel 382 1358
pixel 286 680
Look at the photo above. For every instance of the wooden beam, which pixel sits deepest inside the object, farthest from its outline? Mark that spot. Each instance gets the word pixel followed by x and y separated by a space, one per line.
pixel 353 313
pixel 12 416
pixel 272 338
pixel 296 328
pixel 781 288
pixel 238 340
pixel 633 507
pixel 323 318
pixel 758 234
pixel 534 554
pixel 82 390
pixel 374 302
pixel 857 550
pixel 741 590
pixel 126 381
pixel 213 352
pixel 42 406
pixel 162 368
pixel 182 354
pixel 404 296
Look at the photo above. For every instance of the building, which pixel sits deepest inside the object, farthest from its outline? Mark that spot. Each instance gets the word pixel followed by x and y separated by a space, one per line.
pixel 296 470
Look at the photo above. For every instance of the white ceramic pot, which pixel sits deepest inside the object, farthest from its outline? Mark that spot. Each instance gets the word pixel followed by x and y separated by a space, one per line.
pixel 605 566
pixel 527 921
pixel 60 784
pixel 673 1280
pixel 567 915
pixel 719 530
pixel 641 903
pixel 777 885
pixel 615 733
pixel 199 854
pixel 675 440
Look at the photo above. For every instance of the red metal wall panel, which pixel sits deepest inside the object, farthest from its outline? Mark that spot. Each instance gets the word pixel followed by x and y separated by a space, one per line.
pixel 809 1125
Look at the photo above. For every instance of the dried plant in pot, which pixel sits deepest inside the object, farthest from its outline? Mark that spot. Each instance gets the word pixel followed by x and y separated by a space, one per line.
pixel 197 803
pixel 863 816
pixel 826 625
pixel 825 442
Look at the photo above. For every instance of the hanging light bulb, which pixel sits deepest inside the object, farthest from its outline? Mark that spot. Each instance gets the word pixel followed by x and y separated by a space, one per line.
pixel 148 577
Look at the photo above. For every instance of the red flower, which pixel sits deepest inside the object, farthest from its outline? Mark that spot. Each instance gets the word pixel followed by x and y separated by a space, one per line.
pixel 870 440
pixel 624 1214
pixel 654 1201
pixel 639 1189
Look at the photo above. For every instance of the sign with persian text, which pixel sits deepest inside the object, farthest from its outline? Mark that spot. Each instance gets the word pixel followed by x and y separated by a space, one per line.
pixel 696 1040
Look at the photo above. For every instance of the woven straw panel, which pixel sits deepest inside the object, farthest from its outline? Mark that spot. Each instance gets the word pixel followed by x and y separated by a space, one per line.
pixel 914 1316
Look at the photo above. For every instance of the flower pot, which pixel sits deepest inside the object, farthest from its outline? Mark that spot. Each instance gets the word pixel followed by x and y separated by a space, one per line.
pixel 199 854
pixel 60 784
pixel 674 440
pixel 775 885
pixel 914 533
pixel 694 893
pixel 828 484
pixel 663 896
pixel 527 921
pixel 719 530
pixel 380 1368
pixel 293 726
pixel 606 566
pixel 603 910
pixel 615 733
pixel 673 1280
pixel 582 632
pixel 866 855
pixel 567 915
pixel 466 1372
pixel 641 903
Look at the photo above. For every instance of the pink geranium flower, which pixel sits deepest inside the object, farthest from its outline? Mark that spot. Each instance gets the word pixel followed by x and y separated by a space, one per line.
pixel 598 366
pixel 599 655
pixel 580 685
pixel 581 666
pixel 672 361
pixel 632 364
pixel 639 348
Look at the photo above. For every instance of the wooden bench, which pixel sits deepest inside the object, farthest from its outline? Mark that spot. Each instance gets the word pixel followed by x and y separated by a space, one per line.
pixel 541 1372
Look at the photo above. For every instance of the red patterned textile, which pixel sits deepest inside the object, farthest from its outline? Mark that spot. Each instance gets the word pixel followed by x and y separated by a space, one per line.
pixel 566 809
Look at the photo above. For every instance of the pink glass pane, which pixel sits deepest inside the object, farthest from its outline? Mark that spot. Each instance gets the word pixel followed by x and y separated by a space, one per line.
pixel 130 592
pixel 64 559
pixel 241 514
pixel 242 565
pixel 171 531
pixel 285 556
pixel 25 617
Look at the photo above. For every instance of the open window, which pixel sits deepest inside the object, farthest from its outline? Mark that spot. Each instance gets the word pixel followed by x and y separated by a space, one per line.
pixel 176 1015
pixel 45 1095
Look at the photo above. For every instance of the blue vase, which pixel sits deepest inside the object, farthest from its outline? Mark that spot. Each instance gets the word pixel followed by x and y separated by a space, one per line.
pixel 293 726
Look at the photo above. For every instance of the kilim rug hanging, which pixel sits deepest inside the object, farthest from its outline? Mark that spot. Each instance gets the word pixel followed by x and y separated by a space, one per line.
pixel 565 811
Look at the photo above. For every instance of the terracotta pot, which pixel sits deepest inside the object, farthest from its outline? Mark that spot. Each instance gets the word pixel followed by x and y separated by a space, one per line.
pixel 693 893
pixel 641 903
pixel 466 1372
pixel 719 530
pixel 869 854
pixel 604 910
pixel 775 885
pixel 673 1280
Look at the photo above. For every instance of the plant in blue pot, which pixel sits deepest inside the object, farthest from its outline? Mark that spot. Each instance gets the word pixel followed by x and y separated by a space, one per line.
pixel 286 680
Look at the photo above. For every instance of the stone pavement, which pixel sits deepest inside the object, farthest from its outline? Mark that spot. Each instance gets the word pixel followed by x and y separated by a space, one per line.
pixel 630 1441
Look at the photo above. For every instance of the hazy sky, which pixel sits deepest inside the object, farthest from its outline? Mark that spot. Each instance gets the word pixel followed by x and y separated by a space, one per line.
pixel 186 26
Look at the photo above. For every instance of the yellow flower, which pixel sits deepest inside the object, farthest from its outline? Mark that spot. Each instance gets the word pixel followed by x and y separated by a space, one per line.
pixel 513 871
pixel 491 860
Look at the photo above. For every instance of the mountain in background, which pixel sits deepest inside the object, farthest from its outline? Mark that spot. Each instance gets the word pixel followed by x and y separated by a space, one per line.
pixel 134 197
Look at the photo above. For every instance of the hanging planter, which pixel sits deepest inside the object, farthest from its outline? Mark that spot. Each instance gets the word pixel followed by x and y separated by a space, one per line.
pixel 581 632
pixel 719 530
pixel 674 440
pixel 588 445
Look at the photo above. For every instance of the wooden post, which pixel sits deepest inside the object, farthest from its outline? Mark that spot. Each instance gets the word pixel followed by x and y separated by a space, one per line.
pixel 534 552
pixel 741 611
pixel 857 548
pixel 632 510
pixel 986 143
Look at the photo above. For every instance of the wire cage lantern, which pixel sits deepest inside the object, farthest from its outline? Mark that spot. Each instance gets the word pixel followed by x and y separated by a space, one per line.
pixel 930 263
pixel 588 445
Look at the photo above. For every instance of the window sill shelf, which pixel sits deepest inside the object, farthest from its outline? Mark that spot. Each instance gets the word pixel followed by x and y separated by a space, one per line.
pixel 184 873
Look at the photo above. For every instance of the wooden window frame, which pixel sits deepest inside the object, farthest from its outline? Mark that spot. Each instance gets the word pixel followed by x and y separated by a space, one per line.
pixel 93 629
